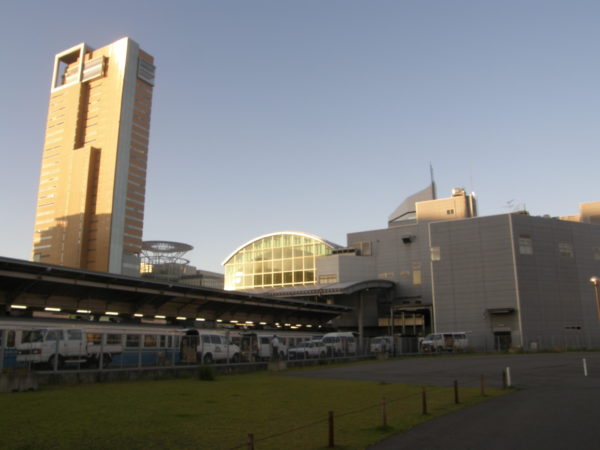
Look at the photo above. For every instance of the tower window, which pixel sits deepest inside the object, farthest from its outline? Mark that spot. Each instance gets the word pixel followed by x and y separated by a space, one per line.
pixel 525 245
pixel 565 249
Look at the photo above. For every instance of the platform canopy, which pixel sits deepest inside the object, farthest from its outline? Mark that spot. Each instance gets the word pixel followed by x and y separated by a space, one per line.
pixel 30 286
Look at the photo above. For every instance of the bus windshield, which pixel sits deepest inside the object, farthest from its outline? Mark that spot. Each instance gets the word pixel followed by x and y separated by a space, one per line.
pixel 32 336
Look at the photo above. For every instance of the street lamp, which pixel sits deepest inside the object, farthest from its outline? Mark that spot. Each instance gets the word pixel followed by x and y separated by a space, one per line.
pixel 596 282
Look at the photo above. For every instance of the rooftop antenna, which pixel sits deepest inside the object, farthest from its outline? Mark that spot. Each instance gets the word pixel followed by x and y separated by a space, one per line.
pixel 471 178
pixel 432 181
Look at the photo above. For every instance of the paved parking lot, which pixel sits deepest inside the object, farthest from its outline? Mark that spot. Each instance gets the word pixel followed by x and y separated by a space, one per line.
pixel 556 407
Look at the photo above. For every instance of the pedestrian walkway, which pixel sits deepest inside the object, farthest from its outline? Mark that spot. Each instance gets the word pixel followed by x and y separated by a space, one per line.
pixel 555 407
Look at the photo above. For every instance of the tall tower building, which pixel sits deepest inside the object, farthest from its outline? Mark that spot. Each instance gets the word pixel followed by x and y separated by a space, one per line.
pixel 90 204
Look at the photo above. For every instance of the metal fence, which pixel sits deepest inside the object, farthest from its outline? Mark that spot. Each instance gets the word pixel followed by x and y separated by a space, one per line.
pixel 74 350
pixel 534 343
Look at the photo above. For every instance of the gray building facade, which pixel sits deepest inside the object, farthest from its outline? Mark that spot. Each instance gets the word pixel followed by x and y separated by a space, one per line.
pixel 509 280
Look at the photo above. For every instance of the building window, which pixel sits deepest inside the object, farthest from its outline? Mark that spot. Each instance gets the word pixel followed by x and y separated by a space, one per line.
pixel 150 340
pixel 416 273
pixel 449 212
pixel 565 249
pixel 525 245
pixel 435 254
pixel 385 275
pixel 114 339
pixel 132 340
pixel 364 248
pixel 328 279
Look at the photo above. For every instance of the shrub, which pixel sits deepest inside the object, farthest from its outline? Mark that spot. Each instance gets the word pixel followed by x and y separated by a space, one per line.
pixel 206 373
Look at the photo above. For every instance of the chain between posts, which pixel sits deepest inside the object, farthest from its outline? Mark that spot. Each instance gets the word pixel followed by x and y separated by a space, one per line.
pixel 251 440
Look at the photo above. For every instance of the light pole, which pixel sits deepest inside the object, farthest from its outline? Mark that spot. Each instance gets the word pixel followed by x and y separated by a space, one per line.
pixel 596 282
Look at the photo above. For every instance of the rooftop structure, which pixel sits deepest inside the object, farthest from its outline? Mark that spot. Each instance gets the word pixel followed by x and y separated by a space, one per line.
pixel 163 260
pixel 588 213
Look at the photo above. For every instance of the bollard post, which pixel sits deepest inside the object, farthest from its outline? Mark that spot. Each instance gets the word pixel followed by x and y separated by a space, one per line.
pixel 331 436
pixel 508 380
pixel 424 401
pixel 482 385
pixel 585 372
pixel 101 355
pixel 250 441
pixel 58 335
pixel 383 412
pixel 456 399
pixel 3 339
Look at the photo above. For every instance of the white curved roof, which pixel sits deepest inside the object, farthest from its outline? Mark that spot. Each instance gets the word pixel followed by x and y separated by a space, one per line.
pixel 281 233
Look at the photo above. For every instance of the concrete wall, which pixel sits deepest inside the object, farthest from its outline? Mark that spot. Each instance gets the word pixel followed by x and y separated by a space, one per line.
pixel 346 267
pixel 401 254
pixel 474 276
pixel 557 299
pixel 486 284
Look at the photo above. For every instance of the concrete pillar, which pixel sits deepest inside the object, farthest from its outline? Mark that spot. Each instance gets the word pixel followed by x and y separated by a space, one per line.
pixel 361 311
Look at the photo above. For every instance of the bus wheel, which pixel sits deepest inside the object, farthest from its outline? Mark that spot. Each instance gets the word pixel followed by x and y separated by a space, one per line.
pixel 60 364
pixel 92 363
pixel 106 360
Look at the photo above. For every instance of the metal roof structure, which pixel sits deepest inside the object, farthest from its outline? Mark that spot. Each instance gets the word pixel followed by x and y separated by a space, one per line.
pixel 281 233
pixel 345 288
pixel 164 252
pixel 38 286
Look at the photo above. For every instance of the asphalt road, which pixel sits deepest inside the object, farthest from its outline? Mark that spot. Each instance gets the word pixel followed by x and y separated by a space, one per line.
pixel 556 406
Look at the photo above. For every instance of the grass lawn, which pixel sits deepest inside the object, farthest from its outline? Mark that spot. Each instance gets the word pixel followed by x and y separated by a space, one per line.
pixel 189 413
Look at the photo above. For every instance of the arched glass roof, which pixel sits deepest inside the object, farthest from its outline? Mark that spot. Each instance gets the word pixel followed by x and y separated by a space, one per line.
pixel 285 258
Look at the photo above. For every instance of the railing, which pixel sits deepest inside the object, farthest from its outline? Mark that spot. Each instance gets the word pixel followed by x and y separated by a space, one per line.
pixel 386 414
pixel 143 357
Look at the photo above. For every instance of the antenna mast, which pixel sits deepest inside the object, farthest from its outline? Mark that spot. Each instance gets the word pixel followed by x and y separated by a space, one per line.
pixel 432 181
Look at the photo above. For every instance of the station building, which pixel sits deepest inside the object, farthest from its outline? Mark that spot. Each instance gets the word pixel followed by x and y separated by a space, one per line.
pixel 508 280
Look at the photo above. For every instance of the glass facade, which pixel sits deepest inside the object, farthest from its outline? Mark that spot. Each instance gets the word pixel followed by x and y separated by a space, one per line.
pixel 275 260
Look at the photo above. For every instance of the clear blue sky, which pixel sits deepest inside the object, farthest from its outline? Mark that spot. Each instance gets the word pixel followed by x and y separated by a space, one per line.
pixel 322 115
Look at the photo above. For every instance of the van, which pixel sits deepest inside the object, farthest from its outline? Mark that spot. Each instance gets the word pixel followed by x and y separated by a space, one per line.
pixel 381 344
pixel 208 347
pixel 55 347
pixel 340 343
pixel 453 341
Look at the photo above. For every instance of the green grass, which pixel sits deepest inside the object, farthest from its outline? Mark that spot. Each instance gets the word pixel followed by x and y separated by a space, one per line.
pixel 190 413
